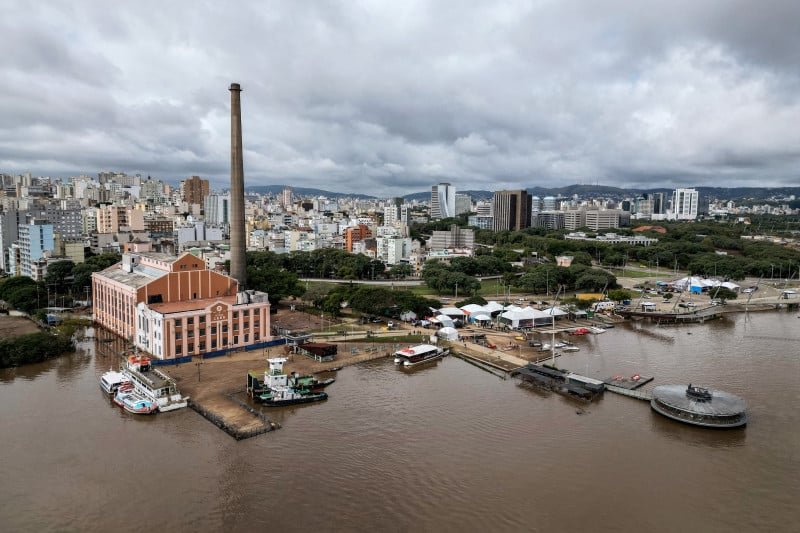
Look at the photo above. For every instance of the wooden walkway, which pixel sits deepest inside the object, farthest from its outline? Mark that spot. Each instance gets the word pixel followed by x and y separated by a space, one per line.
pixel 638 394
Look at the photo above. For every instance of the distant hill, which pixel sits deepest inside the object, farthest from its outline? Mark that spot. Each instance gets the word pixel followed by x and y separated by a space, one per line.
pixel 303 191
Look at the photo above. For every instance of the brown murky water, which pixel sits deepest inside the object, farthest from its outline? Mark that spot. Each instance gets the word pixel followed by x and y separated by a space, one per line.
pixel 446 448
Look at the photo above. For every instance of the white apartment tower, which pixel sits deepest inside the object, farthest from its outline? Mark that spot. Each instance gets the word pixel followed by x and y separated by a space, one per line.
pixel 684 204
pixel 443 201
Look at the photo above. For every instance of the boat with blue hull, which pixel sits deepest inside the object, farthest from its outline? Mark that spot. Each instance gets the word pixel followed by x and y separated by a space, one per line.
pixel 129 399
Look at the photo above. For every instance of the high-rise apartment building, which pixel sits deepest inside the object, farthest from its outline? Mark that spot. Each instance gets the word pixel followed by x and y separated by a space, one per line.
pixel 194 190
pixel 35 239
pixel 218 209
pixel 512 210
pixel 463 204
pixel 443 201
pixel 684 204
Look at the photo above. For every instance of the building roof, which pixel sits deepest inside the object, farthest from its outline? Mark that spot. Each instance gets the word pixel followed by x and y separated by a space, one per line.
pixel 190 305
pixel 140 276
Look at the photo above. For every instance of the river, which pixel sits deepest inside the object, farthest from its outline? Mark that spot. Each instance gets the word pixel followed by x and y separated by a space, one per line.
pixel 445 448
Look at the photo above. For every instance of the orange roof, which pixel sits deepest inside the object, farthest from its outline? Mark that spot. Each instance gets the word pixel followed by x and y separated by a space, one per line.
pixel 657 229
pixel 191 305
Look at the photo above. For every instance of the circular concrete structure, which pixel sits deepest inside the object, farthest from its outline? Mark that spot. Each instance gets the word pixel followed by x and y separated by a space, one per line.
pixel 698 406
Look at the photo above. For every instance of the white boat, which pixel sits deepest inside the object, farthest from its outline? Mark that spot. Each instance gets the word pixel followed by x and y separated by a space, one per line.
pixel 560 344
pixel 419 354
pixel 132 401
pixel 154 384
pixel 596 330
pixel 111 380
pixel 570 348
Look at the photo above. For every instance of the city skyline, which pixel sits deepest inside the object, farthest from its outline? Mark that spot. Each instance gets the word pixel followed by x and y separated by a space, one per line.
pixel 391 100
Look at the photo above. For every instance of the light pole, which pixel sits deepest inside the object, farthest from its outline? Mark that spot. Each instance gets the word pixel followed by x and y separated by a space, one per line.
pixel 772 274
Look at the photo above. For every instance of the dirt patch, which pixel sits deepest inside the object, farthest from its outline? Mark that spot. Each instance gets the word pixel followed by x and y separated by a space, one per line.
pixel 14 326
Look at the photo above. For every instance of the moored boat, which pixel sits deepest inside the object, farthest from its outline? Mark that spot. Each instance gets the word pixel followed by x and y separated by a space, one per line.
pixel 129 399
pixel 419 354
pixel 111 380
pixel 281 389
pixel 596 330
pixel 153 384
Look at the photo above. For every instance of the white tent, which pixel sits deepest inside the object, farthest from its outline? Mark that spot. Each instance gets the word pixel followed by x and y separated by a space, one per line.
pixel 448 334
pixel 555 311
pixel 730 285
pixel 471 309
pixel 481 317
pixel 408 316
pixel 525 318
pixel 512 307
pixel 453 312
pixel 445 321
pixel 493 308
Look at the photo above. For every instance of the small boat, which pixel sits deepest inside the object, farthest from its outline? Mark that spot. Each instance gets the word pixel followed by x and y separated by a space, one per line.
pixel 580 331
pixel 419 354
pixel 309 382
pixel 111 380
pixel 596 330
pixel 560 344
pixel 133 402
pixel 570 348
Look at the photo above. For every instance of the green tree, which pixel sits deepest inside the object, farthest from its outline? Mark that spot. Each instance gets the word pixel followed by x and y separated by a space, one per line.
pixel 617 295
pixel 59 274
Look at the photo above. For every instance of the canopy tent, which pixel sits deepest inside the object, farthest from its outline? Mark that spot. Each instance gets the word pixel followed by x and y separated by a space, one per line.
pixel 471 309
pixel 730 285
pixel 408 316
pixel 525 318
pixel 444 320
pixel 555 311
pixel 452 312
pixel 493 308
pixel 448 334
pixel 512 307
pixel 481 317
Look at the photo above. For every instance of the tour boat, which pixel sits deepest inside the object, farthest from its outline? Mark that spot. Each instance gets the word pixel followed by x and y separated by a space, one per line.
pixel 129 399
pixel 416 355
pixel 111 380
pixel 280 389
pixel 153 384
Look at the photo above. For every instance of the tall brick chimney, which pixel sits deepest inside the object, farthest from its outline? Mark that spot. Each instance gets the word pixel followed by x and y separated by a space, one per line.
pixel 238 246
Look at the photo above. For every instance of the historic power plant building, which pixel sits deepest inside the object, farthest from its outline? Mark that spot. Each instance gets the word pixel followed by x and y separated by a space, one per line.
pixel 174 306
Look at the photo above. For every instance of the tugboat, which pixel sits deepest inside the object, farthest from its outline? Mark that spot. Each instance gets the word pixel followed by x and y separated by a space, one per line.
pixel 280 389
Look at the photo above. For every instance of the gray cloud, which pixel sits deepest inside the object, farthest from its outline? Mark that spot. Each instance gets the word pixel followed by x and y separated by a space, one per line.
pixel 389 98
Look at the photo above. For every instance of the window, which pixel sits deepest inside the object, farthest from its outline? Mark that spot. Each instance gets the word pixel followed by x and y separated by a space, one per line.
pixel 224 328
pixel 213 343
pixel 178 336
pixel 213 330
pixel 246 325
pixel 191 347
pixel 203 319
pixel 190 320
pixel 190 334
pixel 202 346
pixel 236 339
pixel 236 314
pixel 235 326
pixel 178 349
pixel 255 336
pixel 203 332
pixel 246 312
pixel 246 339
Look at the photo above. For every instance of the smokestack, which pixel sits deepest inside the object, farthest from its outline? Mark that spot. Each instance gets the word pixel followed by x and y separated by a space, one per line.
pixel 238 258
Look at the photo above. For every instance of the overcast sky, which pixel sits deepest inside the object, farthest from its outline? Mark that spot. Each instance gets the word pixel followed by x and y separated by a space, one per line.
pixel 388 98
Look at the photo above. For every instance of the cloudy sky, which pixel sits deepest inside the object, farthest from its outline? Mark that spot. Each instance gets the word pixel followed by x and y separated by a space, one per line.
pixel 389 97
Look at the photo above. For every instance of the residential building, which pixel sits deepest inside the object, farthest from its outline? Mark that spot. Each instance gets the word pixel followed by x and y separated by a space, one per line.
pixel 481 221
pixel 117 218
pixel 684 204
pixel 217 209
pixel 194 190
pixel 35 241
pixel 355 234
pixel 550 220
pixel 463 204
pixel 455 238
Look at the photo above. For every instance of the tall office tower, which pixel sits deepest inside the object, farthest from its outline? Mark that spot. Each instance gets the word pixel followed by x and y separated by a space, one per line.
pixel 194 190
pixel 512 210
pixel 238 244
pixel 443 201
pixel 684 204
